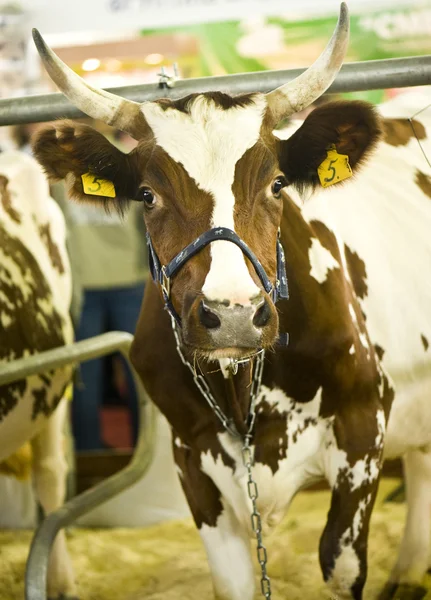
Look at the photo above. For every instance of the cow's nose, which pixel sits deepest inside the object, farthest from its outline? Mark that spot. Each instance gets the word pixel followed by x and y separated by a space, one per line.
pixel 207 316
pixel 262 314
pixel 235 324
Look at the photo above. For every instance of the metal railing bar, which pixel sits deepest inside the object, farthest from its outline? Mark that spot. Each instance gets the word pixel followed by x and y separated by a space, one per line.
pixel 37 563
pixel 353 77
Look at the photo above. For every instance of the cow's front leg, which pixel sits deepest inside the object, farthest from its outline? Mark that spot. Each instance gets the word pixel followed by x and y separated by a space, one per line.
pixel 50 470
pixel 229 556
pixel 352 463
pixel 226 542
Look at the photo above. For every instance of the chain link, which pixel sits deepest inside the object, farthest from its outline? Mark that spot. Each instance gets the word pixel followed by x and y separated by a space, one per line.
pixel 246 451
pixel 256 521
pixel 205 390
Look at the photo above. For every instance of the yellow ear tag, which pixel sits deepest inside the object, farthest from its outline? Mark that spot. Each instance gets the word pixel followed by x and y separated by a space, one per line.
pixel 334 168
pixel 95 186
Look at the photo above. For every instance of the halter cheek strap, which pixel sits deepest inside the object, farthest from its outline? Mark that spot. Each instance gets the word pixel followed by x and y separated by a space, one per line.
pixel 163 274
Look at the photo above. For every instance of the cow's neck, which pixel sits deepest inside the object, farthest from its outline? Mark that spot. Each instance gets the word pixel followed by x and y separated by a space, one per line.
pixel 318 309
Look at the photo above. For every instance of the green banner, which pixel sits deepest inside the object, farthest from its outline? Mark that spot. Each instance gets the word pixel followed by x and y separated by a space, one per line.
pixel 276 42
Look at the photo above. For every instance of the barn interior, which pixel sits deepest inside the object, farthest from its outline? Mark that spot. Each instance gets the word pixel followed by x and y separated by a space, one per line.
pixel 142 543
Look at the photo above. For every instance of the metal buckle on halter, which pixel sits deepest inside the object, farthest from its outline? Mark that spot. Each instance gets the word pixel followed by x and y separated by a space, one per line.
pixel 165 283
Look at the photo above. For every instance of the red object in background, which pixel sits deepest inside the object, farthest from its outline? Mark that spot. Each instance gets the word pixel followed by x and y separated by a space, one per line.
pixel 116 427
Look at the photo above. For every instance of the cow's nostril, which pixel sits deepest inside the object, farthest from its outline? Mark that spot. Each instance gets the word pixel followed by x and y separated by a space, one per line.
pixel 262 315
pixel 207 317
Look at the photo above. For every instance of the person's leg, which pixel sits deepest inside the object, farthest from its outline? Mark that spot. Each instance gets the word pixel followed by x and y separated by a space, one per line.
pixel 87 397
pixel 124 307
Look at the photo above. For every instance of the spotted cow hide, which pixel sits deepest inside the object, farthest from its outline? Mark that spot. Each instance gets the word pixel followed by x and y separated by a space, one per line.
pixel 35 291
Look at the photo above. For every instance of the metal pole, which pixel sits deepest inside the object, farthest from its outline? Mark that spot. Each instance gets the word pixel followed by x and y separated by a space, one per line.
pixel 64 356
pixel 37 563
pixel 353 77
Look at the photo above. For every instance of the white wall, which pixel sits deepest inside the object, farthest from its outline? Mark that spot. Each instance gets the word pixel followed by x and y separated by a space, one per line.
pixel 53 16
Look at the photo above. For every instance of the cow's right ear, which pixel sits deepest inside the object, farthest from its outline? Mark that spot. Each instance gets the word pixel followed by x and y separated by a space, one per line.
pixel 68 150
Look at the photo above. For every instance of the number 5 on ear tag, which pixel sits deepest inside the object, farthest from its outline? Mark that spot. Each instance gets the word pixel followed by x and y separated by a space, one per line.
pixel 96 186
pixel 334 168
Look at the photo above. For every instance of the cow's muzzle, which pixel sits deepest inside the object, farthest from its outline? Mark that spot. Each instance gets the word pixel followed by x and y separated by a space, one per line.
pixel 227 326
pixel 223 330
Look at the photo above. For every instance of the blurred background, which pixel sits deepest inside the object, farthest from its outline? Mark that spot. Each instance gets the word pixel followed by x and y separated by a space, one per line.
pixel 122 42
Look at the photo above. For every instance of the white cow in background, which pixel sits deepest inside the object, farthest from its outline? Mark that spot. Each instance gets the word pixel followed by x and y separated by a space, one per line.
pixel 35 294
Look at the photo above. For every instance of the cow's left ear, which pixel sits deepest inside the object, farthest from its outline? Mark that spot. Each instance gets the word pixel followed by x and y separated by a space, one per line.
pixel 353 127
pixel 94 169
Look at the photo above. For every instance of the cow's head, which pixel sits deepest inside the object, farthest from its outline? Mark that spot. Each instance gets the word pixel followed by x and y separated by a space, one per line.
pixel 206 161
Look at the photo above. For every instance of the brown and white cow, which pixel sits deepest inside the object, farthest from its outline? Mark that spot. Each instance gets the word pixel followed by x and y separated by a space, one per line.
pixel 35 293
pixel 212 162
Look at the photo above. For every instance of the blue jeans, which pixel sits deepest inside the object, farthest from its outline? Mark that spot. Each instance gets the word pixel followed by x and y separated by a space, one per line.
pixel 103 310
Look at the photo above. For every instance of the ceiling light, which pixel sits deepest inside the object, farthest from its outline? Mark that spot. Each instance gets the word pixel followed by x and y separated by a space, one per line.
pixel 154 59
pixel 91 64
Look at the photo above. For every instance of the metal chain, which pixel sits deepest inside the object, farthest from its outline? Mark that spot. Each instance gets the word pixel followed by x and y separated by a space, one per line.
pixel 205 390
pixel 256 521
pixel 247 455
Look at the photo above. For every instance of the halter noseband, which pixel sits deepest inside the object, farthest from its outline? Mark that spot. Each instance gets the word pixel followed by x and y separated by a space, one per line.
pixel 163 274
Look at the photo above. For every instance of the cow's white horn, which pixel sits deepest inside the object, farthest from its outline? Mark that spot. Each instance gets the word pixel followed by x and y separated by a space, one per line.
pixel 96 103
pixel 310 85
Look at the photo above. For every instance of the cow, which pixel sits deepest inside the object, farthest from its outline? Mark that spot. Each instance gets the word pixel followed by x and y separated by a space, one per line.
pixel 35 294
pixel 232 226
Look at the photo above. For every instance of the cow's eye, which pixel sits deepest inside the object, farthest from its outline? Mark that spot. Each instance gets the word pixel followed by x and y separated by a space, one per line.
pixel 278 185
pixel 146 196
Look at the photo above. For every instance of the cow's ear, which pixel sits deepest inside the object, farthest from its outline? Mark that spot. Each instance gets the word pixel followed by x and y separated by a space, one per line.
pixel 352 127
pixel 94 169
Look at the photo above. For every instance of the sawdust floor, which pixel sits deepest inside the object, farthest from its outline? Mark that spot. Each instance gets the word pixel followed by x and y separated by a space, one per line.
pixel 167 562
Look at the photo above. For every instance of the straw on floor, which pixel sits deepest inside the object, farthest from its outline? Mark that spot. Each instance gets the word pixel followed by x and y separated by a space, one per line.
pixel 167 561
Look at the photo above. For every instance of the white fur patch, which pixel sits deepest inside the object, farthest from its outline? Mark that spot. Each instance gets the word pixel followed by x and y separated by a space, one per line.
pixel 305 432
pixel 345 573
pixel 224 367
pixel 30 195
pixel 208 142
pixel 229 557
pixel 5 320
pixel 363 471
pixel 321 261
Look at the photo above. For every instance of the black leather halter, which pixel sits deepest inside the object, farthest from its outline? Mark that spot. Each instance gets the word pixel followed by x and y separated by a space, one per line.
pixel 163 274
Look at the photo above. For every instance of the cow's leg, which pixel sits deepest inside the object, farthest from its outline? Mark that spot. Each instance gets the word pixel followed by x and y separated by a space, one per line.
pixel 352 465
pixel 228 549
pixel 50 470
pixel 343 545
pixel 413 558
pixel 226 542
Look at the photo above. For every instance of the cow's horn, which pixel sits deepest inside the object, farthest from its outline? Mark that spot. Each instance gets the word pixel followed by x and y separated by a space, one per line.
pixel 111 109
pixel 310 85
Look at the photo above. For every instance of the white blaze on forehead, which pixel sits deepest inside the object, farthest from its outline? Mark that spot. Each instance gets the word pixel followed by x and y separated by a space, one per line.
pixel 209 142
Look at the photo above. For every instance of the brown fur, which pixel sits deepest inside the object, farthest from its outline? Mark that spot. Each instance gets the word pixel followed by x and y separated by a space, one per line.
pixel 317 316
pixel 6 200
pixel 398 132
pixel 424 182
pixel 52 248
pixel 26 331
pixel 219 99
pixel 353 127
pixel 357 271
pixel 72 148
